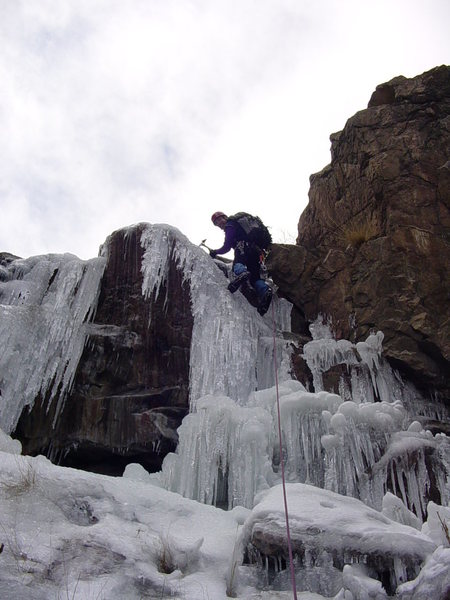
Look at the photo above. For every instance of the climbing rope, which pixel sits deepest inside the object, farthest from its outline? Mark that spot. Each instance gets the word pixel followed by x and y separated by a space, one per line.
pixel 286 514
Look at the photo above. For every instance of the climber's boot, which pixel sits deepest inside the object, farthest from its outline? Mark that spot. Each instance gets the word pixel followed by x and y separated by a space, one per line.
pixel 264 304
pixel 238 281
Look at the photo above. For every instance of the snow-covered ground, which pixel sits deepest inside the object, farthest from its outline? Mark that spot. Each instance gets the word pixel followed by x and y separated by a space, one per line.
pixel 68 534
pixel 72 534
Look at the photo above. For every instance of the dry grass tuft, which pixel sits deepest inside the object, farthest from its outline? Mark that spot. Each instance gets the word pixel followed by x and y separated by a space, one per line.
pixel 445 528
pixel 165 562
pixel 359 231
pixel 24 483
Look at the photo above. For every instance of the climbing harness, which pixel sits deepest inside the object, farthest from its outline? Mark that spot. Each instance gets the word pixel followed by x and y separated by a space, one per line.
pixel 262 265
pixel 286 513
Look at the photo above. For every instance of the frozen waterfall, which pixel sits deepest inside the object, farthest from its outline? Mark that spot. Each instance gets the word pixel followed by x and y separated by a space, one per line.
pixel 232 347
pixel 45 302
pixel 358 443
pixel 359 439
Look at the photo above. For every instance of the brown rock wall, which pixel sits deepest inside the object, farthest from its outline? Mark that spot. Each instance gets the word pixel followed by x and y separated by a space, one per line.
pixel 373 244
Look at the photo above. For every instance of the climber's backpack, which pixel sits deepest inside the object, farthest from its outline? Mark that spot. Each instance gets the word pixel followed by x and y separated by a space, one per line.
pixel 254 229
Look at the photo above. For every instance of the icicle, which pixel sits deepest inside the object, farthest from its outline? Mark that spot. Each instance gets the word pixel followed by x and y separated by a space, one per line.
pixel 229 349
pixel 221 442
pixel 45 306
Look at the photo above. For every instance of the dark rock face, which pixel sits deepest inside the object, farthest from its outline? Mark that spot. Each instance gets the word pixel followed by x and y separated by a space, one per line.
pixel 130 391
pixel 373 244
pixel 5 259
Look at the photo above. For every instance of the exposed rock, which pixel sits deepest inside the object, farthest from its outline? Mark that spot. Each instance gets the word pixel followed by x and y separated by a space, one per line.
pixel 373 244
pixel 5 259
pixel 130 391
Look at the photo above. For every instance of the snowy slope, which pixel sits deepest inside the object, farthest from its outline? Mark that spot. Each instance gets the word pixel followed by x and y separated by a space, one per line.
pixel 71 534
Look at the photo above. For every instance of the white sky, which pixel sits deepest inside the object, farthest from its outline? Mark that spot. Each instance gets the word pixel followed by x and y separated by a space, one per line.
pixel 114 112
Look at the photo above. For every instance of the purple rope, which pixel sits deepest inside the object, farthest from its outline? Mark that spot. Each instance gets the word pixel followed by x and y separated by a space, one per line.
pixel 291 560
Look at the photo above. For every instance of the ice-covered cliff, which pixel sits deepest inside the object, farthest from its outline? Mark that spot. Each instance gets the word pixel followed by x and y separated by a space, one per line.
pixel 45 303
pixel 86 343
pixel 103 358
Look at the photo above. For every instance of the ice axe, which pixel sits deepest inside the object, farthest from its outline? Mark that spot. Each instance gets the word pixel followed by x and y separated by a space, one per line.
pixel 219 258
pixel 202 243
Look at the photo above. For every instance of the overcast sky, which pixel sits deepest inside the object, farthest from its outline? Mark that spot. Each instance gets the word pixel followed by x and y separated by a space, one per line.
pixel 119 111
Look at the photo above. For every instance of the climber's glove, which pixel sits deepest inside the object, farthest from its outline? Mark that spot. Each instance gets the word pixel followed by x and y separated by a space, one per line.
pixel 212 253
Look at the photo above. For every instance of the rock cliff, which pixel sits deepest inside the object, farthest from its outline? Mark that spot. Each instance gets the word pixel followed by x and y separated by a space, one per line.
pixel 373 243
pixel 372 253
pixel 103 358
pixel 130 390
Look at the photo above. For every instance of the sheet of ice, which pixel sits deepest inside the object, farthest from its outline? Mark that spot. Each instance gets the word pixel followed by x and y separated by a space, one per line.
pixel 357 437
pixel 359 450
pixel 370 377
pixel 363 360
pixel 395 509
pixel 332 445
pixel 320 329
pixel 223 454
pixel 433 580
pixel 322 354
pixel 437 526
pixel 356 445
pixel 349 448
pixel 227 454
pixel 406 465
pixel 302 427
pixel 45 302
pixel 329 531
pixel 230 352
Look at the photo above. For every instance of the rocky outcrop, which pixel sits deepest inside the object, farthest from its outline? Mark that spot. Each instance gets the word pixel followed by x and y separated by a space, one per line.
pixel 130 389
pixel 373 243
pixel 5 259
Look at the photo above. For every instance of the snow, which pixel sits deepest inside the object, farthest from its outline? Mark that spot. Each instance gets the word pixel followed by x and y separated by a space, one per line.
pixel 433 580
pixel 7 444
pixel 360 468
pixel 329 529
pixel 330 521
pixel 68 533
pixel 100 537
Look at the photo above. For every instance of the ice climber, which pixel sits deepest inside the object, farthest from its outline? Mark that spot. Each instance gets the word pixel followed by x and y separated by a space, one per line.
pixel 249 237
